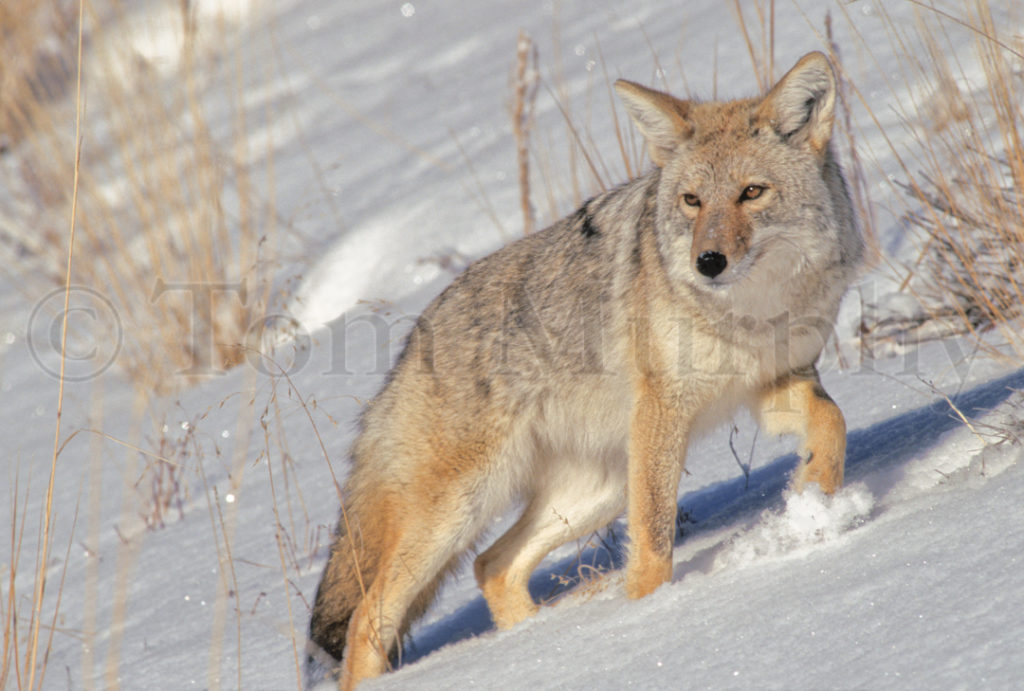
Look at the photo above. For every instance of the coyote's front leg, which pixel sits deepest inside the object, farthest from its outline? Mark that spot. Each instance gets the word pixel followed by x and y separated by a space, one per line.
pixel 657 450
pixel 797 404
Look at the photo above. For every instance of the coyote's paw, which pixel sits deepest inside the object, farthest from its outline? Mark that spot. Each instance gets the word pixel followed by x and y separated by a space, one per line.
pixel 822 469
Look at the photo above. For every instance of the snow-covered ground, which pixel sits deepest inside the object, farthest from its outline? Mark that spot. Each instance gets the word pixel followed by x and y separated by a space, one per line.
pixel 394 165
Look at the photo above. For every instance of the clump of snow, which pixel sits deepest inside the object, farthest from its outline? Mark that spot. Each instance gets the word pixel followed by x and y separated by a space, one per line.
pixel 900 306
pixel 991 461
pixel 807 519
pixel 155 36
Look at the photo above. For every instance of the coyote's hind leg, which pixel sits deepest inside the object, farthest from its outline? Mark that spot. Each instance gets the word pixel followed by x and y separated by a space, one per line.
pixel 560 512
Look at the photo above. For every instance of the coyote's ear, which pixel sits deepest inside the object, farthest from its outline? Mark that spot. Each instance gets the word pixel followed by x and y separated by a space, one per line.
pixel 801 107
pixel 661 119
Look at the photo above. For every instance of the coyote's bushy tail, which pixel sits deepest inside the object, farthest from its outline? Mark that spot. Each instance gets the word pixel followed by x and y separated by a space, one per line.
pixel 363 543
pixel 349 572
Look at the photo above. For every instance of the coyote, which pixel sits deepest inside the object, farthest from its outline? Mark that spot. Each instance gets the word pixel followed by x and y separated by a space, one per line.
pixel 567 372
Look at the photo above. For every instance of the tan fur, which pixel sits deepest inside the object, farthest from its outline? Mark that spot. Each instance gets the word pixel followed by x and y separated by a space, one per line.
pixel 570 370
pixel 797 404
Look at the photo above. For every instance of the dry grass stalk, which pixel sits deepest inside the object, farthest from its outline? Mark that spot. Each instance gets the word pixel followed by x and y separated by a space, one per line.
pixel 163 478
pixel 583 171
pixel 524 92
pixel 762 58
pixel 35 660
pixel 8 608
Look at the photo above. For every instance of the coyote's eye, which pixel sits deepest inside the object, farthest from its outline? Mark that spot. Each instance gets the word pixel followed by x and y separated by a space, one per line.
pixel 691 199
pixel 751 192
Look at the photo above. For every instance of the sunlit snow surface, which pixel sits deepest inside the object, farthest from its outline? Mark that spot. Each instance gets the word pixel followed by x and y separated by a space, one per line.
pixel 393 166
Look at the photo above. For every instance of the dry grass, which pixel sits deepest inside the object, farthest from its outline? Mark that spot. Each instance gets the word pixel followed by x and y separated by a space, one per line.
pixel 962 185
pixel 35 68
pixel 569 165
pixel 176 236
pixel 36 649
pixel 165 224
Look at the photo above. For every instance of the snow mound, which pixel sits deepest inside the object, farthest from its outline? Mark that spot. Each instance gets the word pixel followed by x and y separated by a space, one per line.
pixel 154 35
pixel 807 520
pixel 991 461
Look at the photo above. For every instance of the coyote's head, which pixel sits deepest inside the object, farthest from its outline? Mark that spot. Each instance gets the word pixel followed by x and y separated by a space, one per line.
pixel 748 187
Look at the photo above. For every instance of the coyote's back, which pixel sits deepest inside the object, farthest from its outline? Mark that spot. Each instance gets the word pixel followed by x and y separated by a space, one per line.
pixel 569 370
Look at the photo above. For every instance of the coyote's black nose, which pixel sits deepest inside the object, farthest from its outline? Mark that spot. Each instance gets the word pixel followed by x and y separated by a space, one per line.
pixel 711 263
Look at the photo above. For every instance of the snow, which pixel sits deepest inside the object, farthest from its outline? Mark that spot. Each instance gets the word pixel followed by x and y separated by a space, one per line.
pixel 393 167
